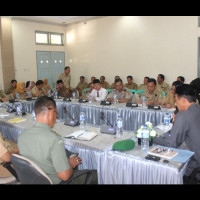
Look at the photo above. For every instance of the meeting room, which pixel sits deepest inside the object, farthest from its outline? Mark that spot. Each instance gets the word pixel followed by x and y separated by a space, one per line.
pixel 100 100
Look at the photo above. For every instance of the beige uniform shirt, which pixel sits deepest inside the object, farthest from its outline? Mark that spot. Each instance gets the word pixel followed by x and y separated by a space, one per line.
pixel 81 86
pixel 105 85
pixel 35 90
pixel 154 96
pixel 124 94
pixel 163 87
pixel 142 87
pixel 132 86
pixel 2 94
pixel 169 99
pixel 112 86
pixel 6 146
pixel 66 79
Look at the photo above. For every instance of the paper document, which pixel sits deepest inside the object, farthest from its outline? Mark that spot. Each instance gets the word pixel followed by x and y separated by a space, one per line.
pixel 163 152
pixel 82 135
pixel 16 120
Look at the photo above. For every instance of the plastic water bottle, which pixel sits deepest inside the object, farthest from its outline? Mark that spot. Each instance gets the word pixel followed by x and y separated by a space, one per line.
pixel 34 115
pixel 74 95
pixel 49 92
pixel 82 121
pixel 19 110
pixel 90 98
pixel 115 98
pixel 56 94
pixel 119 130
pixel 167 119
pixel 29 94
pixel 143 101
pixel 17 95
pixel 145 138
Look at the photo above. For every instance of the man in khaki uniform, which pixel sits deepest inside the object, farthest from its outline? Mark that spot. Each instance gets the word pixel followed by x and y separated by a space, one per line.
pixel 37 90
pixel 152 94
pixel 113 84
pixel 81 85
pixel 12 87
pixel 7 147
pixel 144 85
pixel 131 85
pixel 3 96
pixel 65 77
pixel 62 90
pixel 104 84
pixel 162 86
pixel 123 94
pixel 169 100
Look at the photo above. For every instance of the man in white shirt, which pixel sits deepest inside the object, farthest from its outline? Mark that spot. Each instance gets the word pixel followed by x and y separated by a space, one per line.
pixel 98 93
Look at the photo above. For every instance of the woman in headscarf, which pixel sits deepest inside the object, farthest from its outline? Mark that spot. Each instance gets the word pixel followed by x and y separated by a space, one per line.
pixel 46 86
pixel 20 91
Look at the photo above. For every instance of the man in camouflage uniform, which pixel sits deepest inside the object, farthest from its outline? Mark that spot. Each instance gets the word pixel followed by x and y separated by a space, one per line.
pixel 62 90
pixel 123 94
pixel 152 94
pixel 131 85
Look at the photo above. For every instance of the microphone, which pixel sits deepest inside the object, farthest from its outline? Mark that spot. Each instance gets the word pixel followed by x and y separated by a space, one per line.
pixel 151 106
pixel 105 128
pixel 70 121
pixel 10 109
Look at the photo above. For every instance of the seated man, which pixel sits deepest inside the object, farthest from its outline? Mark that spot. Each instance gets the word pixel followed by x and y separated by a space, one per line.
pixel 131 85
pixel 113 84
pixel 7 147
pixel 123 94
pixel 92 78
pixel 104 84
pixel 169 100
pixel 62 90
pixel 37 90
pixel 85 95
pixel 13 86
pixel 162 86
pixel 151 94
pixel 144 85
pixel 186 126
pixel 44 147
pixel 181 79
pixel 3 96
pixel 98 93
pixel 81 85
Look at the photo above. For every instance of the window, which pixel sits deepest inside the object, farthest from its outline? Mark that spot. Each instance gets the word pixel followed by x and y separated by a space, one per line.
pixel 48 38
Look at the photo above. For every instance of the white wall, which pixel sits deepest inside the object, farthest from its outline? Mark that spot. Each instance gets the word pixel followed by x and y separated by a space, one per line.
pixel 134 45
pixel 25 48
pixel 116 45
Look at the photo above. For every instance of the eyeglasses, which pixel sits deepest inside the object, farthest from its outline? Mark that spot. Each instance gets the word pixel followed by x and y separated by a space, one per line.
pixel 55 110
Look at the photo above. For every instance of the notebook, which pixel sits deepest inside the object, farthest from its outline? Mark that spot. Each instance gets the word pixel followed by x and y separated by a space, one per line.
pixel 82 135
pixel 16 120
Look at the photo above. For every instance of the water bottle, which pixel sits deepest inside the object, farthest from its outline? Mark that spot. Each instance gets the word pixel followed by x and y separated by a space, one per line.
pixel 49 93
pixel 82 121
pixel 119 127
pixel 143 101
pixel 115 98
pixel 74 95
pixel 19 110
pixel 90 98
pixel 34 115
pixel 29 94
pixel 145 138
pixel 167 119
pixel 0 107
pixel 56 94
pixel 17 95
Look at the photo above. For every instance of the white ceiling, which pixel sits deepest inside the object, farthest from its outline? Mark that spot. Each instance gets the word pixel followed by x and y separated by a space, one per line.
pixel 61 20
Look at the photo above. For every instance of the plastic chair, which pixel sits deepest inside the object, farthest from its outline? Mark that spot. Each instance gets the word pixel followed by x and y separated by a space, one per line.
pixel 109 90
pixel 139 91
pixel 85 90
pixel 133 91
pixel 30 173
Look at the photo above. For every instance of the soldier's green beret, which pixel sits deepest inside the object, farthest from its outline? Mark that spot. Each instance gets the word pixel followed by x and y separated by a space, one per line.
pixel 124 145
